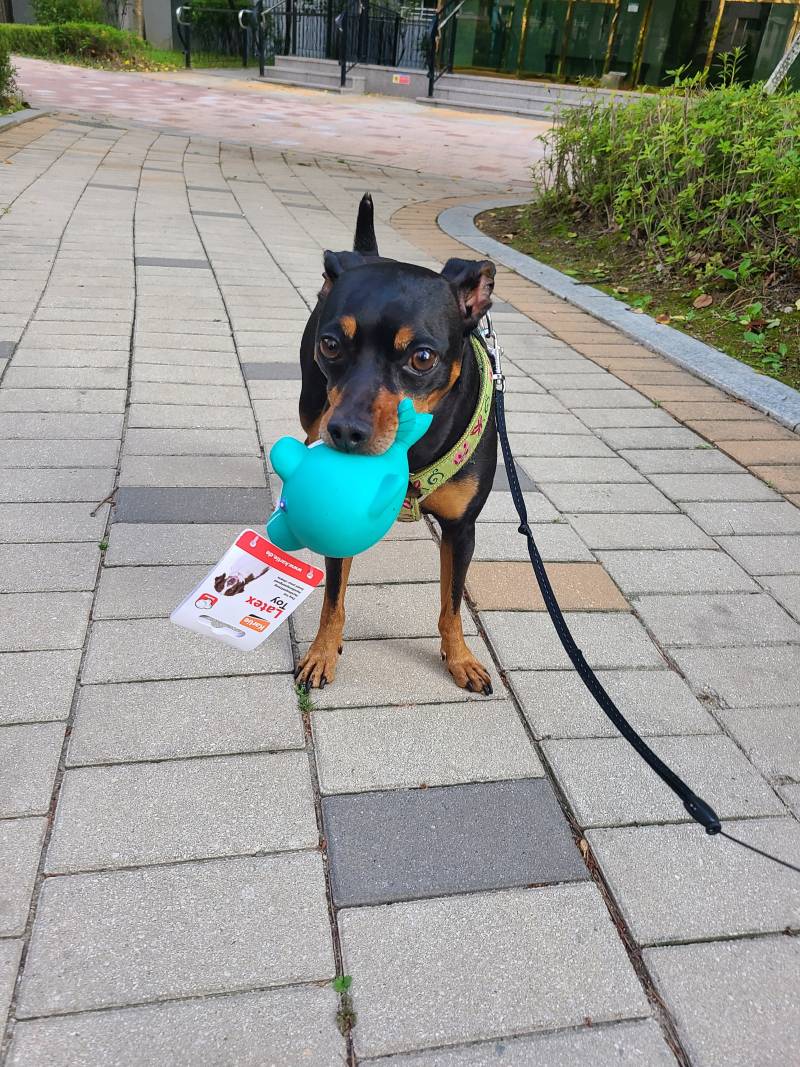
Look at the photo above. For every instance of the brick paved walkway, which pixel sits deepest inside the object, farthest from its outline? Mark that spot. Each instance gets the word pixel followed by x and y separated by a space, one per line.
pixel 191 860
pixel 377 129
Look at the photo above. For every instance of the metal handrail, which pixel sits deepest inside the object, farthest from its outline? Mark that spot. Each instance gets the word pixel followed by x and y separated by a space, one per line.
pixel 437 25
pixel 455 11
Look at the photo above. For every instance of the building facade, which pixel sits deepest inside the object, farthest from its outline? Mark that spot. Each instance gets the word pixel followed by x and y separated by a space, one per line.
pixel 567 40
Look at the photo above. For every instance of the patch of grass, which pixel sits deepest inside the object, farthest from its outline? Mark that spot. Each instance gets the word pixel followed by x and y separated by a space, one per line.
pixel 304 701
pixel 757 327
pixel 345 1016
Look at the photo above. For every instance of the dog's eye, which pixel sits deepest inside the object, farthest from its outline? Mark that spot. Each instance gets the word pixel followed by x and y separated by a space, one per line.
pixel 423 360
pixel 329 347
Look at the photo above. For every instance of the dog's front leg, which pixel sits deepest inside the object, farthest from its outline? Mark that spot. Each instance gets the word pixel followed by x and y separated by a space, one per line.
pixel 318 666
pixel 458 544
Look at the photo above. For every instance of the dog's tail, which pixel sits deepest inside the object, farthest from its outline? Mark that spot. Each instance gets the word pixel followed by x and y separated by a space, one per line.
pixel 365 241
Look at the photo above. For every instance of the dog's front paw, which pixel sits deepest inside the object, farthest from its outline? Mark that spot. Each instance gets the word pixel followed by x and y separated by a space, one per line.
pixel 318 666
pixel 467 671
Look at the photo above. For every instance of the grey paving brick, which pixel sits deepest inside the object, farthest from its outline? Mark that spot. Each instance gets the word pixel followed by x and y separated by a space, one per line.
pixel 294 1027
pixel 173 719
pixel 103 940
pixel 28 523
pixel 137 544
pixel 639 531
pixel 180 393
pixel 143 442
pixel 20 844
pixel 675 883
pixel 48 485
pixel 91 401
pixel 589 469
pixel 765 554
pixel 649 437
pixel 555 541
pixel 732 1001
pixel 628 418
pixel 408 671
pixel 627 1044
pixel 551 423
pixel 486 835
pixel 32 622
pixel 528 641
pixel 137 650
pixel 501 485
pixel 500 508
pixel 584 497
pixel 29 758
pixel 713 487
pixel 37 686
pixel 778 517
pixel 193 471
pixel 182 374
pixel 22 453
pixel 627 792
pixel 287 390
pixel 166 261
pixel 676 572
pixel 271 371
pixel 26 356
pixel 248 507
pixel 144 813
pixel 377 611
pixel 717 620
pixel 35 568
pixel 681 461
pixel 558 704
pixel 40 426
pixel 7 349
pixel 362 749
pixel 791 794
pixel 744 677
pixel 185 416
pixel 427 986
pixel 786 590
pixel 10 952
pixel 541 444
pixel 144 592
pixel 770 737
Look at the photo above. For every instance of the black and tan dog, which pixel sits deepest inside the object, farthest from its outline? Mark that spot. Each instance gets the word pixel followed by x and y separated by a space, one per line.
pixel 383 330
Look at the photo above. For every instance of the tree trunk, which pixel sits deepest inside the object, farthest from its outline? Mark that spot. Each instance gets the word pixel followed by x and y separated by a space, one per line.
pixel 6 14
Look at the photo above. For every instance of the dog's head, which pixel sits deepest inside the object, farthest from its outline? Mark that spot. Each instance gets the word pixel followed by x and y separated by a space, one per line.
pixel 389 330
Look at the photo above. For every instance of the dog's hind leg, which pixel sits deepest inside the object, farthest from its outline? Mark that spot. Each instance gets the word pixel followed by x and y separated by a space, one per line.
pixel 318 666
pixel 458 544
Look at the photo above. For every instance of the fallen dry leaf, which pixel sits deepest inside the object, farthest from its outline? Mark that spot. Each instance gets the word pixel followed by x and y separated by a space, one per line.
pixel 663 318
pixel 705 300
pixel 621 289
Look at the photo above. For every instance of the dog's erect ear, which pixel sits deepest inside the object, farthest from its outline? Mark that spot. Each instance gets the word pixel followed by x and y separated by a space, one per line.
pixel 473 281
pixel 337 263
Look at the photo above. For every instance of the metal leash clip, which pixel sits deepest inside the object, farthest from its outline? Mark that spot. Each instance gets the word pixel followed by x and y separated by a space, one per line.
pixel 495 350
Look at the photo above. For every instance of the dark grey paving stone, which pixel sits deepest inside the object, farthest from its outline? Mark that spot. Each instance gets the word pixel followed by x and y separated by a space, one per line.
pixel 166 261
pixel 272 371
pixel 245 506
pixel 500 483
pixel 405 845
pixel 7 349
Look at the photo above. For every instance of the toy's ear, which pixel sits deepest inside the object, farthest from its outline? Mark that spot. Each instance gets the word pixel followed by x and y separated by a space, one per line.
pixel 286 455
pixel 337 263
pixel 473 282
pixel 411 424
pixel 384 494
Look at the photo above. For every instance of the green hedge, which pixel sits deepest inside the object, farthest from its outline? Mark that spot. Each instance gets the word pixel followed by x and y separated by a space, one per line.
pixel 7 85
pixel 52 12
pixel 706 180
pixel 81 40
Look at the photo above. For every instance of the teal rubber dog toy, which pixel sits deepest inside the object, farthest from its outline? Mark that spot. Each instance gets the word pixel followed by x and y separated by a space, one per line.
pixel 336 503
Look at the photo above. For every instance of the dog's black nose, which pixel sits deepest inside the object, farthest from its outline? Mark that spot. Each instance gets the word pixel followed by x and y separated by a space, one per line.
pixel 348 434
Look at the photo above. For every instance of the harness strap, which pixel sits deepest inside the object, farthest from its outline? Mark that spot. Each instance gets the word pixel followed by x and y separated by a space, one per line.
pixel 423 483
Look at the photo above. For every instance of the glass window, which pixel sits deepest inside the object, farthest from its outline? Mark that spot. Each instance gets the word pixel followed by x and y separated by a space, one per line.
pixel 587 39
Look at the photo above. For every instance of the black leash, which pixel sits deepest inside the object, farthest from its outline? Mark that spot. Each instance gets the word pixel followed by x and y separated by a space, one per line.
pixel 699 809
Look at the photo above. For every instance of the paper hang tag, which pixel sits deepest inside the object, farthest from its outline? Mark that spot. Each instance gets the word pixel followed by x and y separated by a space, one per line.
pixel 252 591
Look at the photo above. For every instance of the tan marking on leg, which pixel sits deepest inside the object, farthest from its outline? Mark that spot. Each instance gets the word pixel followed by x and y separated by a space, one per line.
pixel 318 667
pixel 467 671
pixel 452 499
pixel 349 326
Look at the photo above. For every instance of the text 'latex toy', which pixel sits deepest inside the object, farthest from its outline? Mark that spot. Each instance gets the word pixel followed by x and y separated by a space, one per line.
pixel 338 503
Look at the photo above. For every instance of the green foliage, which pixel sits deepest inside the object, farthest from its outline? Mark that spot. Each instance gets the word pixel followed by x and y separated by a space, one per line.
pixel 8 87
pixel 53 12
pixel 706 180
pixel 83 41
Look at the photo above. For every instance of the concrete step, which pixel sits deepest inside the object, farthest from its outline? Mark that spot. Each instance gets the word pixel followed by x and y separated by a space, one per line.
pixel 307 64
pixel 326 82
pixel 534 99
pixel 508 107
